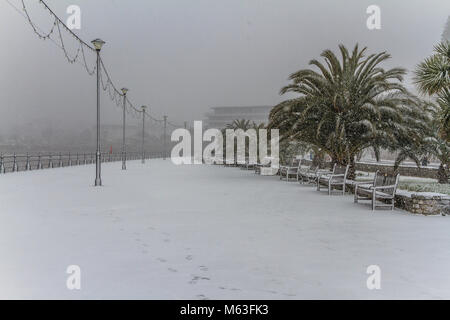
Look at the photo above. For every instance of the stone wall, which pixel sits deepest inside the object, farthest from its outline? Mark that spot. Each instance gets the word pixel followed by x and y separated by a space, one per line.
pixel 423 204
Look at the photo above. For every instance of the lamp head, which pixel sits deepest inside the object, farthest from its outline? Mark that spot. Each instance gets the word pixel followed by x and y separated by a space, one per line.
pixel 124 90
pixel 98 44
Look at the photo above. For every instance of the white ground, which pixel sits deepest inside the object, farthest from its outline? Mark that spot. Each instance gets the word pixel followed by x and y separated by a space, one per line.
pixel 192 232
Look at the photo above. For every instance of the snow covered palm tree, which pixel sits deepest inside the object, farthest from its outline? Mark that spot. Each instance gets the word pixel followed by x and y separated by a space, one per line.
pixel 433 78
pixel 348 105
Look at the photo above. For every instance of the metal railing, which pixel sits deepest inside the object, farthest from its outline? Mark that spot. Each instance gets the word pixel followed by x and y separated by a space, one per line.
pixel 25 162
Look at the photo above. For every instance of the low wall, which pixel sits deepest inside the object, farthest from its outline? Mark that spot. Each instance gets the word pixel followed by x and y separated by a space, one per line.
pixel 423 203
pixel 423 172
pixel 404 170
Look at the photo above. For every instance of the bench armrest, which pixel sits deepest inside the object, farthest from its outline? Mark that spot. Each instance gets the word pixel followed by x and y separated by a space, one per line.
pixel 358 183
pixel 383 187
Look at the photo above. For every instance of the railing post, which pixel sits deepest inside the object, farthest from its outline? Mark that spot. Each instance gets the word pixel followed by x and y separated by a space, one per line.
pixel 27 164
pixel 50 161
pixel 70 160
pixel 78 160
pixel 14 168
pixel 39 164
pixel 2 167
pixel 60 160
pixel 85 158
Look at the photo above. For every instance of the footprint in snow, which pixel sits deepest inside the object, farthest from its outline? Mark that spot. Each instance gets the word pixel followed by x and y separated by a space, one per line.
pixel 289 295
pixel 195 279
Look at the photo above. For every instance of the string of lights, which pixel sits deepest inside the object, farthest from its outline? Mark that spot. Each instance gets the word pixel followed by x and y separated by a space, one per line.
pixel 114 94
pixel 39 32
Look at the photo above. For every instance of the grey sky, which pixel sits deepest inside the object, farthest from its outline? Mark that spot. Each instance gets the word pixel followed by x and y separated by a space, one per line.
pixel 182 57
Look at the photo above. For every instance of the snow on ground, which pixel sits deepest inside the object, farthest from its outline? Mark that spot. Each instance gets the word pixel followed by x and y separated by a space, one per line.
pixel 160 231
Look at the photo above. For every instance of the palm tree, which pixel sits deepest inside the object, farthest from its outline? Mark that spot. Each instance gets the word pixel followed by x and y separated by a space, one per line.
pixel 239 124
pixel 432 77
pixel 435 144
pixel 348 105
pixel 235 125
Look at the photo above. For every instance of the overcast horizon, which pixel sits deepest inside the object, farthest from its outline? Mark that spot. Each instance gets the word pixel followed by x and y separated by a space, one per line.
pixel 182 58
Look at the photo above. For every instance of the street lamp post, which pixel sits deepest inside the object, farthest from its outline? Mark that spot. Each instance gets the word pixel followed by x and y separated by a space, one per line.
pixel 124 157
pixel 165 128
pixel 143 132
pixel 98 43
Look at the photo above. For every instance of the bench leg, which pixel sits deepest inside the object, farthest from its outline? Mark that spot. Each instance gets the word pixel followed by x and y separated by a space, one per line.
pixel 329 188
pixel 373 200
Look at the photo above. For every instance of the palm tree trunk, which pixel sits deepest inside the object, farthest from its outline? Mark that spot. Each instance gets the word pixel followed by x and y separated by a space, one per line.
pixel 352 169
pixel 442 174
pixel 318 160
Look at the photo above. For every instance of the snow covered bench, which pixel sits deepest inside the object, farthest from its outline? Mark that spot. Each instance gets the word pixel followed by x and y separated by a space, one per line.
pixel 268 164
pixel 268 171
pixel 336 178
pixel 311 174
pixel 287 171
pixel 382 188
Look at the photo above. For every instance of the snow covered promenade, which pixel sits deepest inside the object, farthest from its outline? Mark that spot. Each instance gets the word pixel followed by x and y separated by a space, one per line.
pixel 159 231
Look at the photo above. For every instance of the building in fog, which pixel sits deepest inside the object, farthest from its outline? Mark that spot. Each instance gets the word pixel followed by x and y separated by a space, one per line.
pixel 219 117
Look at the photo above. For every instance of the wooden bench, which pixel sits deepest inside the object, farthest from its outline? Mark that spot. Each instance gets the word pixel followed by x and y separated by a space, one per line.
pixel 310 175
pixel 382 188
pixel 287 171
pixel 337 178
pixel 258 166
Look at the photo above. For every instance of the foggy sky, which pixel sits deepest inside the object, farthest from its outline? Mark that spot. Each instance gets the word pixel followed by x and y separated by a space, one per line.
pixel 181 57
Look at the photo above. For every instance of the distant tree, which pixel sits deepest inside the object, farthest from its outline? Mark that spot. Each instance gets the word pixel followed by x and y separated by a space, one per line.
pixel 239 124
